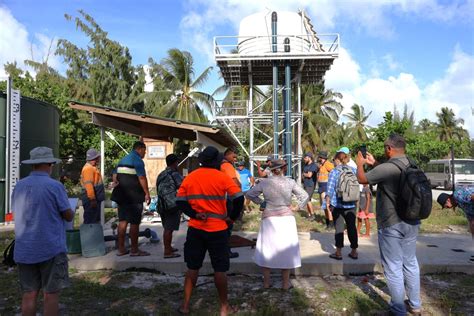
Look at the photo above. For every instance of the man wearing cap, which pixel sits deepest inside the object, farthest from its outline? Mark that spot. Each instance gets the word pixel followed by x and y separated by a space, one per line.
pixel 167 185
pixel 350 163
pixel 92 188
pixel 130 193
pixel 463 198
pixel 265 173
pixel 325 166
pixel 246 180
pixel 41 207
pixel 202 196
pixel 309 180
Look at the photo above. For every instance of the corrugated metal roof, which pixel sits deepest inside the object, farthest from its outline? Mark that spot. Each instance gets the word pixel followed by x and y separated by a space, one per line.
pixel 149 126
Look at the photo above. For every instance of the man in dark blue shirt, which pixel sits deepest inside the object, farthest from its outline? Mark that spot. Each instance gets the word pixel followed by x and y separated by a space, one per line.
pixel 130 193
pixel 309 180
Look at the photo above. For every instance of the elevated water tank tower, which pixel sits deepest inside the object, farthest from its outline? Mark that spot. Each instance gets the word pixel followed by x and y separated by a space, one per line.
pixel 279 49
pixel 255 33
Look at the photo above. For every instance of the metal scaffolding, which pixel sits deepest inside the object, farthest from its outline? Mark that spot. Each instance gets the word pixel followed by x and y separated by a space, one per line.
pixel 284 62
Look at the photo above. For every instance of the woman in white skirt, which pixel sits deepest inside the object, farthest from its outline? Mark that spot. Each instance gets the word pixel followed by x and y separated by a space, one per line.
pixel 277 243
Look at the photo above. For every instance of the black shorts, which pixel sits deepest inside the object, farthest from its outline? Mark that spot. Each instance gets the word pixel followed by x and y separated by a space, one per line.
pixel 322 187
pixel 50 275
pixel 130 213
pixel 199 241
pixel 170 219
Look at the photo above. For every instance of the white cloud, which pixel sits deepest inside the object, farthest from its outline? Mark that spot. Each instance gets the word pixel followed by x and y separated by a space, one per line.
pixel 205 18
pixel 379 95
pixel 17 45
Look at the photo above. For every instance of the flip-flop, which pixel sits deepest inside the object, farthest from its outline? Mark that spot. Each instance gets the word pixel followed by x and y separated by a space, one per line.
pixel 140 253
pixel 119 254
pixel 334 256
pixel 173 255
pixel 353 257
pixel 174 249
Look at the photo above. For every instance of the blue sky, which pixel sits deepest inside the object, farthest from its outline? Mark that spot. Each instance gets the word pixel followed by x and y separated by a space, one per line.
pixel 418 52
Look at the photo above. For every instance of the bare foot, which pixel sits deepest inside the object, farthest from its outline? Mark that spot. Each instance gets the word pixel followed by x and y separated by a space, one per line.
pixel 227 309
pixel 183 311
pixel 364 236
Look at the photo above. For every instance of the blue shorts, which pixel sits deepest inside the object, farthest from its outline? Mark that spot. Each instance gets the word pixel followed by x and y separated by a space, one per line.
pixel 322 187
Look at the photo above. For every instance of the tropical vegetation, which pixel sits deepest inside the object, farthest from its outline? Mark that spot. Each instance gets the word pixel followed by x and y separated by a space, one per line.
pixel 103 73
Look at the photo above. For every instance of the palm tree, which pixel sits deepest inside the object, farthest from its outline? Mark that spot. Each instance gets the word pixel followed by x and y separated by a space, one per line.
pixel 425 125
pixel 448 125
pixel 321 110
pixel 178 88
pixel 358 122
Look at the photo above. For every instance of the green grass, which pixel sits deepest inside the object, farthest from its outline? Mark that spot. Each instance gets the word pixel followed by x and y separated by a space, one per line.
pixel 353 300
pixel 299 300
pixel 440 220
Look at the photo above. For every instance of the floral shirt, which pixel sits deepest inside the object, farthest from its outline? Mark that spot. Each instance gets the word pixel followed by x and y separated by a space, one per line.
pixel 463 198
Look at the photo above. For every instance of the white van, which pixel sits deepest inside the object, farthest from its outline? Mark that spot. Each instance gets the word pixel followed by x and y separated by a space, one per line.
pixel 439 172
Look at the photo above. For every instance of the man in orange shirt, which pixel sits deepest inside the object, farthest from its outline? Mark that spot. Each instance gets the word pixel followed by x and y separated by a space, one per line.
pixel 202 196
pixel 325 166
pixel 227 166
pixel 92 188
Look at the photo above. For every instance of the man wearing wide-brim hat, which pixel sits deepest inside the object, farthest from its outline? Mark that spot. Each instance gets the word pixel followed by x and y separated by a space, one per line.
pixel 40 207
pixel 92 188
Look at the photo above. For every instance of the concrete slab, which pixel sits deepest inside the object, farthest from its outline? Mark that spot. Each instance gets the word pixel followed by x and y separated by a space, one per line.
pixel 436 253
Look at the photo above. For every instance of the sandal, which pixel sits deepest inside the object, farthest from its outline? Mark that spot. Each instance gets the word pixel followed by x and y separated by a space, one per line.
pixel 334 256
pixel 173 255
pixel 353 257
pixel 140 253
pixel 174 249
pixel 119 254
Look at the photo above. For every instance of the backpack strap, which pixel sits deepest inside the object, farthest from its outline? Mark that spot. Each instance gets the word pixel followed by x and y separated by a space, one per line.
pixel 170 174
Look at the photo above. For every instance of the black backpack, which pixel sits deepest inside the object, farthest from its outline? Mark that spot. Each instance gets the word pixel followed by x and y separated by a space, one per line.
pixel 8 255
pixel 166 187
pixel 415 199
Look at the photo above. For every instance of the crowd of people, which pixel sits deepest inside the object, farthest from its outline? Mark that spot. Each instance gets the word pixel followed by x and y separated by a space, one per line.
pixel 214 196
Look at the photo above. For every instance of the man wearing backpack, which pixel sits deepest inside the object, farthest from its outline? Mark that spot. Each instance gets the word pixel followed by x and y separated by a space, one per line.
pixel 340 201
pixel 396 237
pixel 167 185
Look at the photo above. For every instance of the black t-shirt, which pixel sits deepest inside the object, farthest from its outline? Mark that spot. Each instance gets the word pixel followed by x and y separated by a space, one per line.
pixel 310 182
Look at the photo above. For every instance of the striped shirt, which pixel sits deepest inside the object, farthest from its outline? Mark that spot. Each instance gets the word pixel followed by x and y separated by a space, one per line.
pixel 206 191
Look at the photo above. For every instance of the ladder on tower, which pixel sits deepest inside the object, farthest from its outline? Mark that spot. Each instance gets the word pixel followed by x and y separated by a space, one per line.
pixel 311 32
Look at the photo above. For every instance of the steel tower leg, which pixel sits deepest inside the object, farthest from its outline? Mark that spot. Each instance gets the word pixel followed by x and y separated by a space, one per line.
pixel 300 128
pixel 288 119
pixel 275 87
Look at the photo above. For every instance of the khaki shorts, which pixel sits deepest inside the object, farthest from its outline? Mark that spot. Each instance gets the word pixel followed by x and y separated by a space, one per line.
pixel 51 275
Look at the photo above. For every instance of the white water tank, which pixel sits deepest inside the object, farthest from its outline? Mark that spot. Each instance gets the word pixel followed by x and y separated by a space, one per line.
pixel 255 33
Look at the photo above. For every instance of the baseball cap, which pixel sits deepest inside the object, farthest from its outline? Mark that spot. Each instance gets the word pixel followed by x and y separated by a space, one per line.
pixel 344 150
pixel 442 198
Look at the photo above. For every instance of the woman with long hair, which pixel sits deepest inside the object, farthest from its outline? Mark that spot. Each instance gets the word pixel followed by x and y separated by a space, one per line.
pixel 277 243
